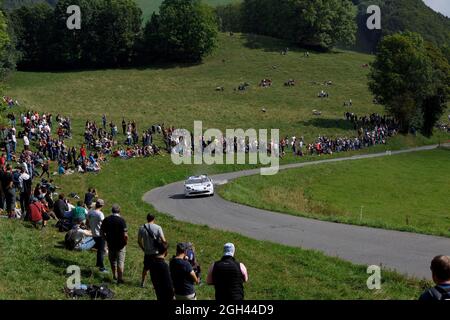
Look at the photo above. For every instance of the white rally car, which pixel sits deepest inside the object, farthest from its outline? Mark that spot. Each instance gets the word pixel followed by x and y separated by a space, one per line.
pixel 198 186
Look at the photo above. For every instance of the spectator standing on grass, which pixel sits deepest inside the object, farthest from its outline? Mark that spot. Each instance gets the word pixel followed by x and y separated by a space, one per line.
pixel 25 186
pixel 26 142
pixel 228 276
pixel 440 270
pixel 95 218
pixel 160 274
pixel 148 237
pixel 183 276
pixel 114 229
pixel 89 197
pixel 124 126
pixel 104 121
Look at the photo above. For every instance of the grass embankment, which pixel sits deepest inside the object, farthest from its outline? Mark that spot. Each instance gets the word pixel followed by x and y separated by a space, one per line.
pixel 406 192
pixel 32 263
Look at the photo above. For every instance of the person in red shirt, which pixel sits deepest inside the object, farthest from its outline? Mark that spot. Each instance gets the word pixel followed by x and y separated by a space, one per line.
pixel 83 152
pixel 38 216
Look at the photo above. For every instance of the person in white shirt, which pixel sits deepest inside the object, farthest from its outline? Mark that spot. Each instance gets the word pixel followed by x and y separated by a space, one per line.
pixel 95 218
pixel 83 238
pixel 26 142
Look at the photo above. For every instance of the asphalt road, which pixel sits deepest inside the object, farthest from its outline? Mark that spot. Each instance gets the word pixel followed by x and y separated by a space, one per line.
pixel 407 253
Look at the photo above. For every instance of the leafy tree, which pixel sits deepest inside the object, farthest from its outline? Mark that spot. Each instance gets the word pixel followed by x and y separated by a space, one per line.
pixel 316 23
pixel 184 30
pixel 435 103
pixel 7 50
pixel 230 17
pixel 108 32
pixel 411 78
pixel 33 29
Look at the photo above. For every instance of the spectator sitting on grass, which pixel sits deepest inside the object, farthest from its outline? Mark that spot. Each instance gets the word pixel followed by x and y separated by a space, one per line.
pixel 83 238
pixel 440 270
pixel 38 216
pixel 79 213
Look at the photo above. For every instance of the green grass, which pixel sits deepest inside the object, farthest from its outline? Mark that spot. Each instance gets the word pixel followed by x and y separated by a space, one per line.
pixel 32 263
pixel 178 95
pixel 402 192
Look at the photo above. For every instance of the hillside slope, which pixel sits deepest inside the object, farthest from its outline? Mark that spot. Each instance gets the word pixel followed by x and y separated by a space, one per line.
pixel 402 15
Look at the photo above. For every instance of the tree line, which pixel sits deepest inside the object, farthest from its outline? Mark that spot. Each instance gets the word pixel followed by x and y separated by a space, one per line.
pixel 320 24
pixel 112 34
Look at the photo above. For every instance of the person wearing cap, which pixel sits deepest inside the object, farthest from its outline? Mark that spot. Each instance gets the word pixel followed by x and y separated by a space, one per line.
pixel 440 271
pixel 183 276
pixel 228 276
pixel 148 237
pixel 95 218
pixel 114 230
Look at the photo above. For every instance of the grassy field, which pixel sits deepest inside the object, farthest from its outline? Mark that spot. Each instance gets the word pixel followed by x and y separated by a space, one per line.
pixel 178 95
pixel 32 263
pixel 403 192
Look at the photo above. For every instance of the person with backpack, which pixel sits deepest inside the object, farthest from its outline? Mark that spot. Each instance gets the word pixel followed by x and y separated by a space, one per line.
pixel 114 230
pixel 440 271
pixel 183 275
pixel 95 218
pixel 150 235
pixel 228 276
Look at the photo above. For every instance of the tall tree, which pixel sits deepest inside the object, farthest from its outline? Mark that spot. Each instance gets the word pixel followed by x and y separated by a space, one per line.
pixel 411 78
pixel 317 23
pixel 7 48
pixel 33 28
pixel 185 30
pixel 435 103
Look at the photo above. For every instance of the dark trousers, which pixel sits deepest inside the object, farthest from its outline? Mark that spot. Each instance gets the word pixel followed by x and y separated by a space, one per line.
pixel 100 246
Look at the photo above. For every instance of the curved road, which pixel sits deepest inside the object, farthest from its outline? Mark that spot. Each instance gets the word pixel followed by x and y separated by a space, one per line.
pixel 407 253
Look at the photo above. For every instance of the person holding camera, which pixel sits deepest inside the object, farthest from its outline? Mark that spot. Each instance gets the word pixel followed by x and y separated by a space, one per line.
pixel 183 275
pixel 150 235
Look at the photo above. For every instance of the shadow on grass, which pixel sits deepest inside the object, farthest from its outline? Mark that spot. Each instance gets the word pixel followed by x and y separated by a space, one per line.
pixel 328 123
